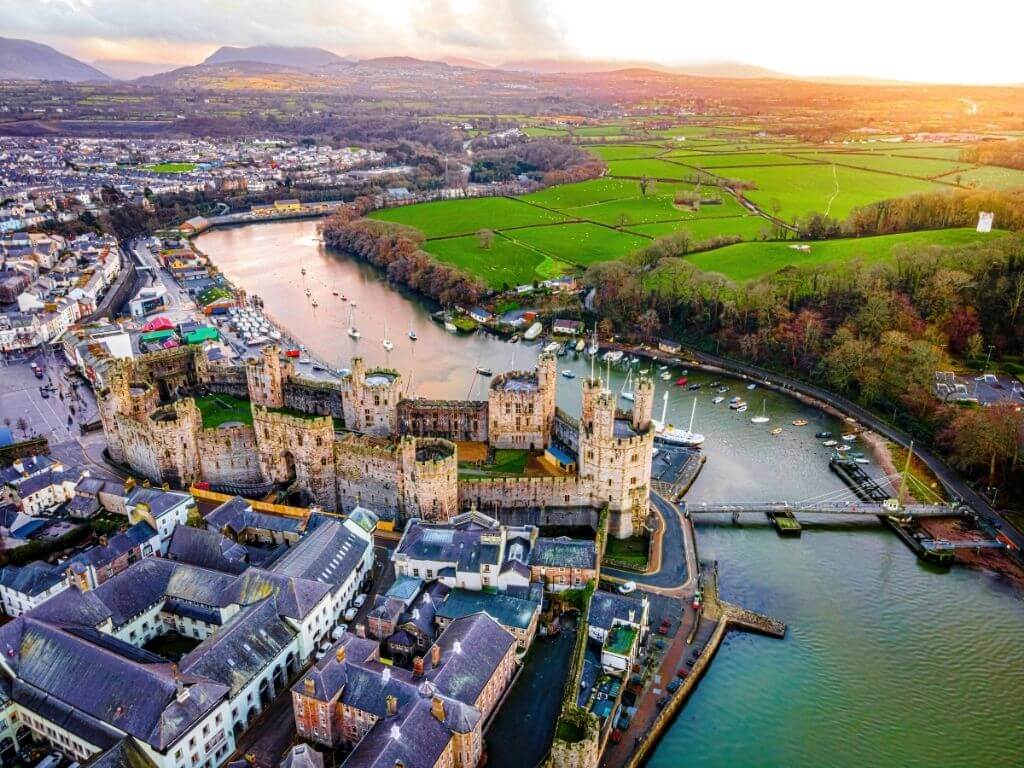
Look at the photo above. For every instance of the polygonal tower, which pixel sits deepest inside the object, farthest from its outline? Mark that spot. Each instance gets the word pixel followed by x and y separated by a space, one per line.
pixel 643 403
pixel 370 401
pixel 264 379
pixel 521 407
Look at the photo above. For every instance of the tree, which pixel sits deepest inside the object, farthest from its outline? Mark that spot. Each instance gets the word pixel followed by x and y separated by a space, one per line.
pixel 989 436
pixel 644 183
pixel 484 239
pixel 649 323
pixel 22 426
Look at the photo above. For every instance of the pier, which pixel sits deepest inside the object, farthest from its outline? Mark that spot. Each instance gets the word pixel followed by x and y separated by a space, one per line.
pixel 856 507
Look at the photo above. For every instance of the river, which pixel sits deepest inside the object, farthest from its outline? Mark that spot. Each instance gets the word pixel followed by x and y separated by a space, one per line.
pixel 887 663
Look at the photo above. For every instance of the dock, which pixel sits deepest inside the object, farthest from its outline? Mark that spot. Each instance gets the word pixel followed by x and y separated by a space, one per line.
pixel 859 481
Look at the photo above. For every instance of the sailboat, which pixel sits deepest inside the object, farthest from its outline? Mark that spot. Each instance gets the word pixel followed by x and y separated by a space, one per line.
pixel 627 387
pixel 592 349
pixel 412 333
pixel 388 344
pixel 763 418
pixel 352 330
pixel 669 434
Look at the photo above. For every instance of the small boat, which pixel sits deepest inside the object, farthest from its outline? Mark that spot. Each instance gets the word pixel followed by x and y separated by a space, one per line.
pixel 315 303
pixel 830 443
pixel 309 292
pixel 354 304
pixel 387 343
pixel 693 387
pixel 666 433
pixel 275 335
pixel 715 384
pixel 662 367
pixel 612 356
pixel 666 375
pixel 823 435
pixel 742 408
pixel 763 418
pixel 292 353
pixel 484 371
pixel 717 400
pixel 799 422
pixel 450 326
pixel 532 332
pixel 842 448
pixel 334 292
pixel 751 386
pixel 681 381
pixel 304 360
pixel 552 346
pixel 580 346
pixel 776 431
pixel 627 388
pixel 514 339
pixel 344 297
pixel 849 437
pixel 303 270
pixel 862 460
pixel 353 332
pixel 735 400
pixel 413 336
pixel 722 390
pixel 568 374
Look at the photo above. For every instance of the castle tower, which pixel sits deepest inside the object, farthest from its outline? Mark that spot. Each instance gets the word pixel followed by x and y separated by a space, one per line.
pixel 615 455
pixel 114 400
pixel 521 407
pixel 264 379
pixel 429 478
pixel 643 403
pixel 370 399
pixel 298 451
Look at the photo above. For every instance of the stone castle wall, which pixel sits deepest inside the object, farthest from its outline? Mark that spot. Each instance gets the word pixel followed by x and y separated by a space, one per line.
pixel 226 380
pixel 366 474
pixel 298 450
pixel 308 396
pixel 458 420
pixel 492 494
pixel 230 455
pixel 430 478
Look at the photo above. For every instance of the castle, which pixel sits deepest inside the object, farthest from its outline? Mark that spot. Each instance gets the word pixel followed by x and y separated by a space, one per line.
pixel 359 442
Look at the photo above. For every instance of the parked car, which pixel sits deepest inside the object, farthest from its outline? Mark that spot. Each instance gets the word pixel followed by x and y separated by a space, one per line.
pixel 665 625
pixel 626 587
pixel 350 613
pixel 682 673
pixel 673 686
pixel 338 631
pixel 360 600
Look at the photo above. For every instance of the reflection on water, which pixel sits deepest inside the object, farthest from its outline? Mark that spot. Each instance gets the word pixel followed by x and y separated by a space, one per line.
pixel 886 664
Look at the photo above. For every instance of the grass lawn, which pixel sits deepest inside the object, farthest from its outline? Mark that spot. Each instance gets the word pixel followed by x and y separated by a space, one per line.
pixel 803 189
pixel 506 463
pixel 582 244
pixel 539 130
pixel 748 261
pixel 465 217
pixel 739 159
pixel 655 169
pixel 632 550
pixel 170 168
pixel 747 227
pixel 905 166
pixel 991 176
pixel 584 193
pixel 943 153
pixel 505 262
pixel 221 409
pixel 625 152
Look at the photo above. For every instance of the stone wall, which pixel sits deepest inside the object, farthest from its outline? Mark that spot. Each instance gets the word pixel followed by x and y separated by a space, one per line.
pixel 458 420
pixel 226 380
pixel 566 429
pixel 298 450
pixel 366 473
pixel 493 494
pixel 230 456
pixel 310 396
pixel 430 478
pixel 521 407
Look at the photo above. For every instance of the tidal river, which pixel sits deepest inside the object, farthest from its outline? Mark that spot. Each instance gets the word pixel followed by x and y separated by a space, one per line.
pixel 887 663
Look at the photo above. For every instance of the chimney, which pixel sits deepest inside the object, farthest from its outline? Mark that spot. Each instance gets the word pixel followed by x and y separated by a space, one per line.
pixel 435 655
pixel 103 540
pixel 437 708
pixel 339 654
pixel 392 704
pixel 417 666
pixel 182 694
pixel 309 686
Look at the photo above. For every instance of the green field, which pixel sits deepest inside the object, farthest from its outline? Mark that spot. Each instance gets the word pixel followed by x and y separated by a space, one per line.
pixel 990 176
pixel 803 189
pixel 221 409
pixel 739 159
pixel 170 168
pixel 581 244
pixel 747 227
pixel 463 217
pixel 655 169
pixel 905 166
pixel 625 152
pixel 748 261
pixel 504 263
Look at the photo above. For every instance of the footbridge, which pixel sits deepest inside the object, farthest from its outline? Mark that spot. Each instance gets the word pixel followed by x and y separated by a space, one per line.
pixel 851 507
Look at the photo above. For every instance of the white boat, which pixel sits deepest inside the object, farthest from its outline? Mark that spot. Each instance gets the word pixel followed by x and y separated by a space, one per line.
pixel 308 292
pixel 580 346
pixel 315 304
pixel 666 433
pixel 612 356
pixel 862 460
pixel 255 341
pixel 352 330
pixel 717 400
pixel 751 386
pixel 412 334
pixel 533 331
pixel 484 371
pixel 666 375
pixel 742 408
pixel 849 437
pixel 387 343
pixel 568 374
pixel 305 360
pixel 842 448
pixel 830 443
pixel 738 404
pixel 627 388
pixel 763 418
pixel 275 335
pixel 593 349
pixel 553 346
pixel 450 326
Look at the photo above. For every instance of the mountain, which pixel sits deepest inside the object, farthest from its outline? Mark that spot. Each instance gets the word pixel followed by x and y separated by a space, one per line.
pixel 729 69
pixel 279 55
pixel 25 60
pixel 233 74
pixel 459 61
pixel 129 70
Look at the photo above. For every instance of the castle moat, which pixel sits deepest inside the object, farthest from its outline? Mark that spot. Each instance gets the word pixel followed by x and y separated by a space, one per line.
pixel 887 662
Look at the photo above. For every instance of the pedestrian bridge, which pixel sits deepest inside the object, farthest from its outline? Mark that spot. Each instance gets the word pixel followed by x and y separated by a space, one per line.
pixel 851 507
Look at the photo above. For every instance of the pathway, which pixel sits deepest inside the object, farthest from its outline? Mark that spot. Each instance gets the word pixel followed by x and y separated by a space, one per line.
pixel 675 560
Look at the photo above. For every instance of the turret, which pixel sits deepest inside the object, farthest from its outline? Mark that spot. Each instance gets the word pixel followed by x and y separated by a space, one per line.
pixel 264 379
pixel 643 404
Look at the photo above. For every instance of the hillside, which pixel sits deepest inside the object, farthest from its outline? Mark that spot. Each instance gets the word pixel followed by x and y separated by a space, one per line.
pixel 277 55
pixel 25 60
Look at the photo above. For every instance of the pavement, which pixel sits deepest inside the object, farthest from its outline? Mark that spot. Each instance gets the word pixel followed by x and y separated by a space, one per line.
pixel 676 561
pixel 270 734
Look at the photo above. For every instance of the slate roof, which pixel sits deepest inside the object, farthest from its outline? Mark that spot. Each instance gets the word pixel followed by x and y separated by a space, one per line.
pixel 117 546
pixel 30 465
pixel 31 579
pixel 507 610
pixel 56 667
pixel 242 649
pixel 471 648
pixel 564 552
pixel 159 501
pixel 303 756
pixel 605 607
pixel 405 588
pixel 329 554
pixel 296 597
pixel 207 549
pixel 236 514
pixel 125 754
pixel 44 480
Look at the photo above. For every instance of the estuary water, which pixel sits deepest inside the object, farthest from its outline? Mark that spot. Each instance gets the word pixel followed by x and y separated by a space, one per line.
pixel 887 662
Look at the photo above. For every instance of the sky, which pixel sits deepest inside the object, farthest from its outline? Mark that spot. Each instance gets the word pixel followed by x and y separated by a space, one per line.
pixel 936 41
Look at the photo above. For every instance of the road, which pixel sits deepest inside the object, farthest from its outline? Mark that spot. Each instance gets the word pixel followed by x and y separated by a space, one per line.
pixel 676 561
pixel 180 306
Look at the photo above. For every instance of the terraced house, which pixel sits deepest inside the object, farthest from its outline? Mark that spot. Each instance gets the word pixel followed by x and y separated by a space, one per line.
pixel 84 670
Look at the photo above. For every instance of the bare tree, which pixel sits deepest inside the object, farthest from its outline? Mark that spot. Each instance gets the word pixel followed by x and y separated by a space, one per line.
pixel 485 238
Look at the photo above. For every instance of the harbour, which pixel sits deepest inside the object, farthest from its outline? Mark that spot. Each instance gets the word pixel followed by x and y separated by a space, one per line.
pixel 800 583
